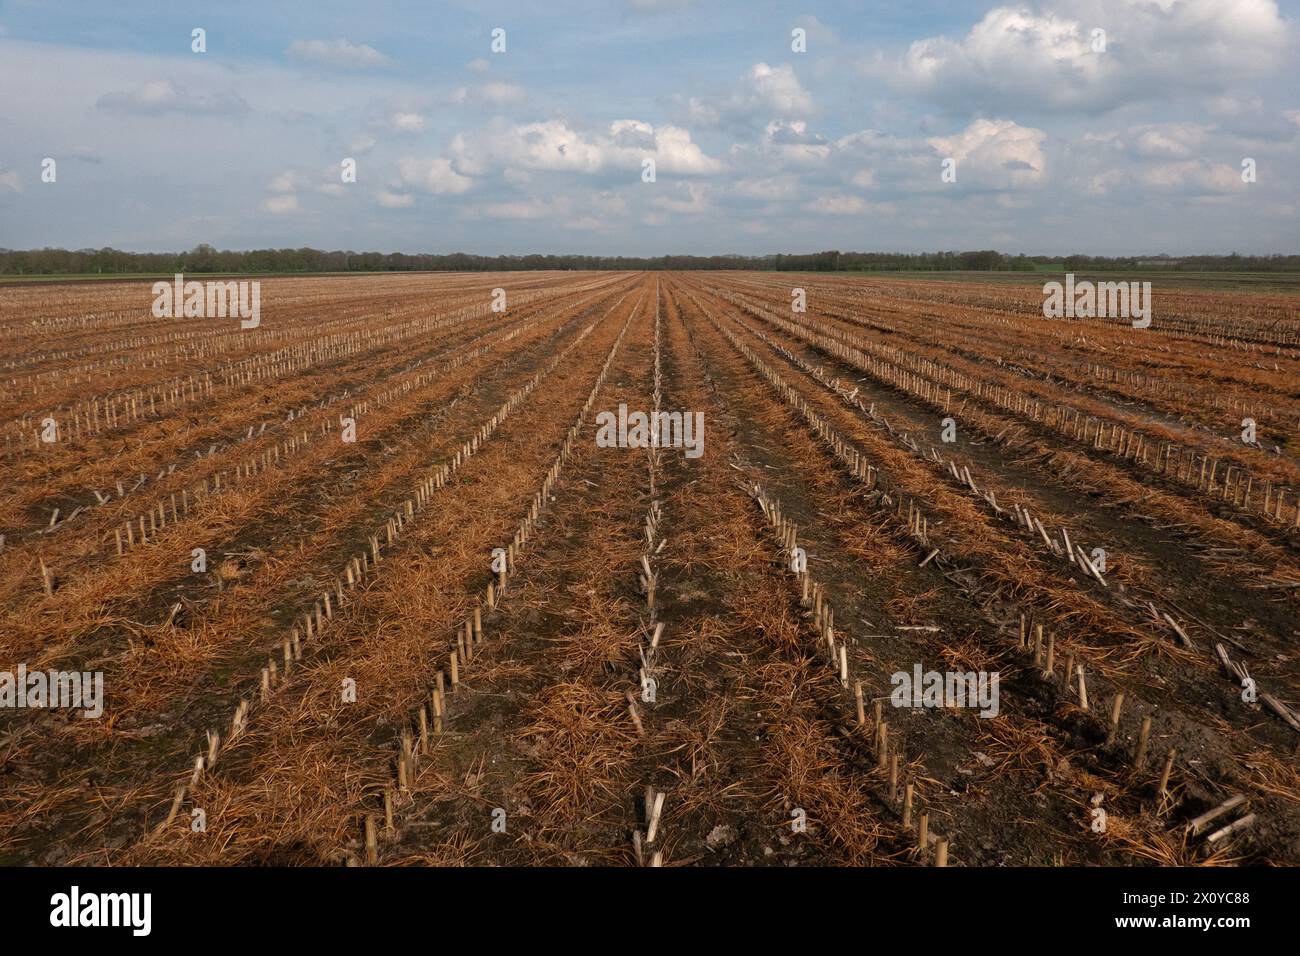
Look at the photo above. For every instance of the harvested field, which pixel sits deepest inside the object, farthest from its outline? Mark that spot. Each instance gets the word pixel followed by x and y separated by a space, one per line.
pixel 377 582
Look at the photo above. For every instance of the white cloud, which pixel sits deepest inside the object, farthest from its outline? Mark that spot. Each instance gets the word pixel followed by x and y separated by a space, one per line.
pixel 780 152
pixel 1193 177
pixel 779 91
pixel 1044 57
pixel 1170 140
pixel 281 204
pixel 392 200
pixel 554 146
pixel 360 145
pixel 839 204
pixel 341 54
pixel 818 33
pixel 689 198
pixel 501 94
pixel 764 93
pixel 1000 153
pixel 794 143
pixel 490 94
pixel 597 211
pixel 675 153
pixel 433 176
pixel 607 203
pixel 550 146
pixel 324 180
pixel 407 122
pixel 1228 105
pixel 770 188
pixel 522 209
pixel 162 96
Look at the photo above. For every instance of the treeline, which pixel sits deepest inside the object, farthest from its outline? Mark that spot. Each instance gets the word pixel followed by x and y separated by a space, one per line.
pixel 206 259
pixel 1228 263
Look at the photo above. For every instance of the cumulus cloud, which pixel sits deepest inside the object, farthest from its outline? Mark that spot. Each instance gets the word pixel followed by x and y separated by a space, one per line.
pixel 394 200
pixel 767 188
pixel 162 96
pixel 794 143
pixel 520 209
pixel 597 211
pixel 281 204
pixel 1169 140
pixel 285 187
pixel 551 146
pixel 1194 177
pixel 1174 158
pixel 406 122
pixel 777 150
pixel 286 182
pixel 689 198
pixel 791 163
pixel 843 204
pixel 818 33
pixel 361 144
pixel 764 93
pixel 339 54
pixel 1000 153
pixel 1049 56
pixel 675 153
pixel 555 146
pixel 490 94
pixel 778 90
pixel 434 175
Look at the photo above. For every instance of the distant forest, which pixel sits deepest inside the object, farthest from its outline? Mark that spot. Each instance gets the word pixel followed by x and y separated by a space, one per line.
pixel 205 259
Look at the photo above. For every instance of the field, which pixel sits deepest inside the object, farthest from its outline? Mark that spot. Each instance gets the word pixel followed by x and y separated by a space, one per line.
pixel 313 652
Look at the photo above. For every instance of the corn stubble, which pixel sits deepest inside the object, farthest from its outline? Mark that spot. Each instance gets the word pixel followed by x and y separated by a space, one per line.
pixel 473 636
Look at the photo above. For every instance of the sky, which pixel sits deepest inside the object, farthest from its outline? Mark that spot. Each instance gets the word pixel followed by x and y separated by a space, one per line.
pixel 1105 127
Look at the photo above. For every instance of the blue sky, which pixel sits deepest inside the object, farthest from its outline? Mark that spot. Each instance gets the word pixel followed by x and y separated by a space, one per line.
pixel 1058 144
